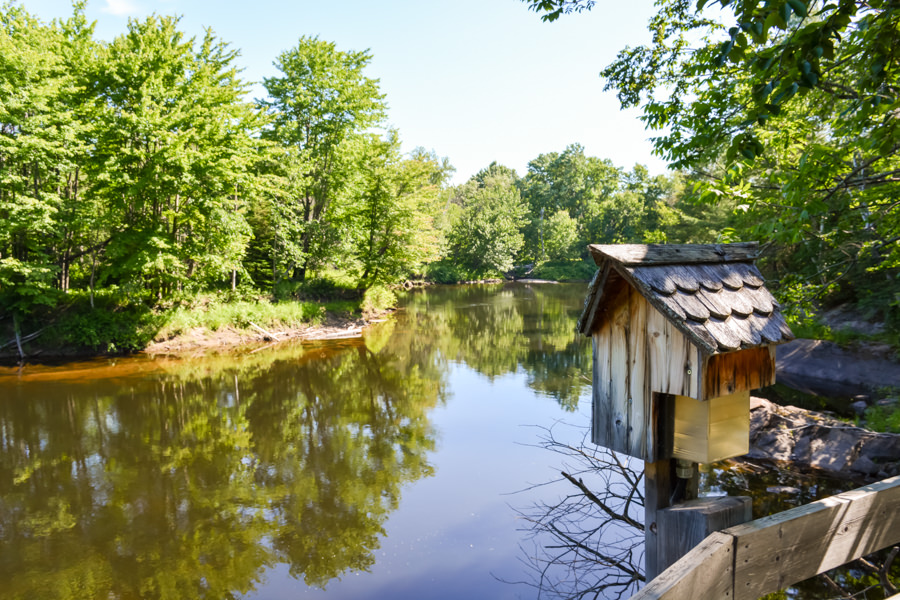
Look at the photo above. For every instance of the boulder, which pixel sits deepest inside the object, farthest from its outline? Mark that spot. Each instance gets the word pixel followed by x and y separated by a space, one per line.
pixel 815 441
pixel 820 361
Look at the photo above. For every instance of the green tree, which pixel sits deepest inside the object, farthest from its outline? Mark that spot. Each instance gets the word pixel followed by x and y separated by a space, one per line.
pixel 785 108
pixel 569 181
pixel 319 104
pixel 560 234
pixel 486 235
pixel 390 220
pixel 42 150
pixel 172 155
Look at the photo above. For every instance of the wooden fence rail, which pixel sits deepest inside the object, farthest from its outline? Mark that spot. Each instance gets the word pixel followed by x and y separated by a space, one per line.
pixel 769 554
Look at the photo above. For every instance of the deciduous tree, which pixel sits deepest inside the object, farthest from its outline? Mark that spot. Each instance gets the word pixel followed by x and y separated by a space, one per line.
pixel 487 233
pixel 321 101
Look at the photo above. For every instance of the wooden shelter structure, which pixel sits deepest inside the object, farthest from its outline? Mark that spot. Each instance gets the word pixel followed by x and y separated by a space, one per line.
pixel 681 334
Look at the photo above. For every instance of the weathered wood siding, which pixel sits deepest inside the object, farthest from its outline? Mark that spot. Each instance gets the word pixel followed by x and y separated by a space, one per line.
pixel 637 351
pixel 674 363
pixel 741 371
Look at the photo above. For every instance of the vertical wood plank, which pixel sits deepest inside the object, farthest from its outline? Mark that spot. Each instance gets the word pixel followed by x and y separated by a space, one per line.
pixel 637 355
pixel 619 377
pixel 771 378
pixel 675 360
pixel 659 480
pixel 696 371
pixel 601 408
pixel 739 371
pixel 658 344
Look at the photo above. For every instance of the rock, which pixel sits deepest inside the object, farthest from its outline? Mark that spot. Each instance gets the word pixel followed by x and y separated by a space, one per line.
pixel 815 441
pixel 847 318
pixel 859 407
pixel 826 361
pixel 866 465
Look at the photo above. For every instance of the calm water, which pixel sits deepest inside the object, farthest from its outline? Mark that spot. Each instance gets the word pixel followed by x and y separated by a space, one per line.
pixel 393 466
pixel 384 467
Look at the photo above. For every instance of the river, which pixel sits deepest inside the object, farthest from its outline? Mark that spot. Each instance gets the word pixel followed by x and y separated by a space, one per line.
pixel 391 466
pixel 405 464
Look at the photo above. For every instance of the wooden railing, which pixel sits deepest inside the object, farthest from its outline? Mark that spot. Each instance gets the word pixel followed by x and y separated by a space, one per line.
pixel 763 556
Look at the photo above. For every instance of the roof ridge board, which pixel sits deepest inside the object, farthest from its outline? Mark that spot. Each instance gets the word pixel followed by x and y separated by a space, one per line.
pixel 674 254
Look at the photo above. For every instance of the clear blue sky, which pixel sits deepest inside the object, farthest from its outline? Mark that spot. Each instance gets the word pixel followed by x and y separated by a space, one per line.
pixel 474 80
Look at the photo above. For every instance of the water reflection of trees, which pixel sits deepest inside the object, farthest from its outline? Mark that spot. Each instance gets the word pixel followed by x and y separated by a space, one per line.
pixel 174 487
pixel 191 481
pixel 499 329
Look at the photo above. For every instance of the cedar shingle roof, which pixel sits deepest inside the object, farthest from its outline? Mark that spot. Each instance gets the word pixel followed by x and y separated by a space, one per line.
pixel 714 294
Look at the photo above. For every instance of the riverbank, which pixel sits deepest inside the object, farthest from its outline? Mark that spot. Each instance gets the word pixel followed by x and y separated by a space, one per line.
pixel 202 339
pixel 110 327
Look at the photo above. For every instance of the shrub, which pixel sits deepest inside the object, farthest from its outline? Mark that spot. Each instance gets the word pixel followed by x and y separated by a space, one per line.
pixel 376 300
pixel 565 270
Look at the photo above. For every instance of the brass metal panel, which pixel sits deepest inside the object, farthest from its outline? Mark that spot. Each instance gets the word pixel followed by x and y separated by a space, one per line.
pixel 714 430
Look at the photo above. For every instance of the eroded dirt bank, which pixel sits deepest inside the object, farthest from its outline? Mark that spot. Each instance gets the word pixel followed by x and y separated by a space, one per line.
pixel 202 339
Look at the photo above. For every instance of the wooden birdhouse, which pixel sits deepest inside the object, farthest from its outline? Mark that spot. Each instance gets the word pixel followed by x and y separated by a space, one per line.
pixel 681 334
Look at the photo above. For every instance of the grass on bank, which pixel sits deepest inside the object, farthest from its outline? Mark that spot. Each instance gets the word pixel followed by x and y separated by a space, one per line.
pixel 885 419
pixel 241 314
pixel 565 270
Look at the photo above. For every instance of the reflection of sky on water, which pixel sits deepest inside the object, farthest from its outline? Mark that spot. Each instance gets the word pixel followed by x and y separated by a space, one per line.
pixel 149 474
pixel 455 535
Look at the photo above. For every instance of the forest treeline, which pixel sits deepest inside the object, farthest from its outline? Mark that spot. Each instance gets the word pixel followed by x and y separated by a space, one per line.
pixel 137 169
pixel 139 166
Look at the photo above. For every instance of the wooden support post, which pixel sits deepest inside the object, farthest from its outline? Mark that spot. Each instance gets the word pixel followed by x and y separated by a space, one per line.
pixel 684 526
pixel 662 489
pixel 659 482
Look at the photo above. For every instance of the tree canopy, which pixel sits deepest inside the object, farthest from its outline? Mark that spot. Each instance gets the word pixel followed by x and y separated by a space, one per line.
pixel 317 106
pixel 137 167
pixel 785 108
